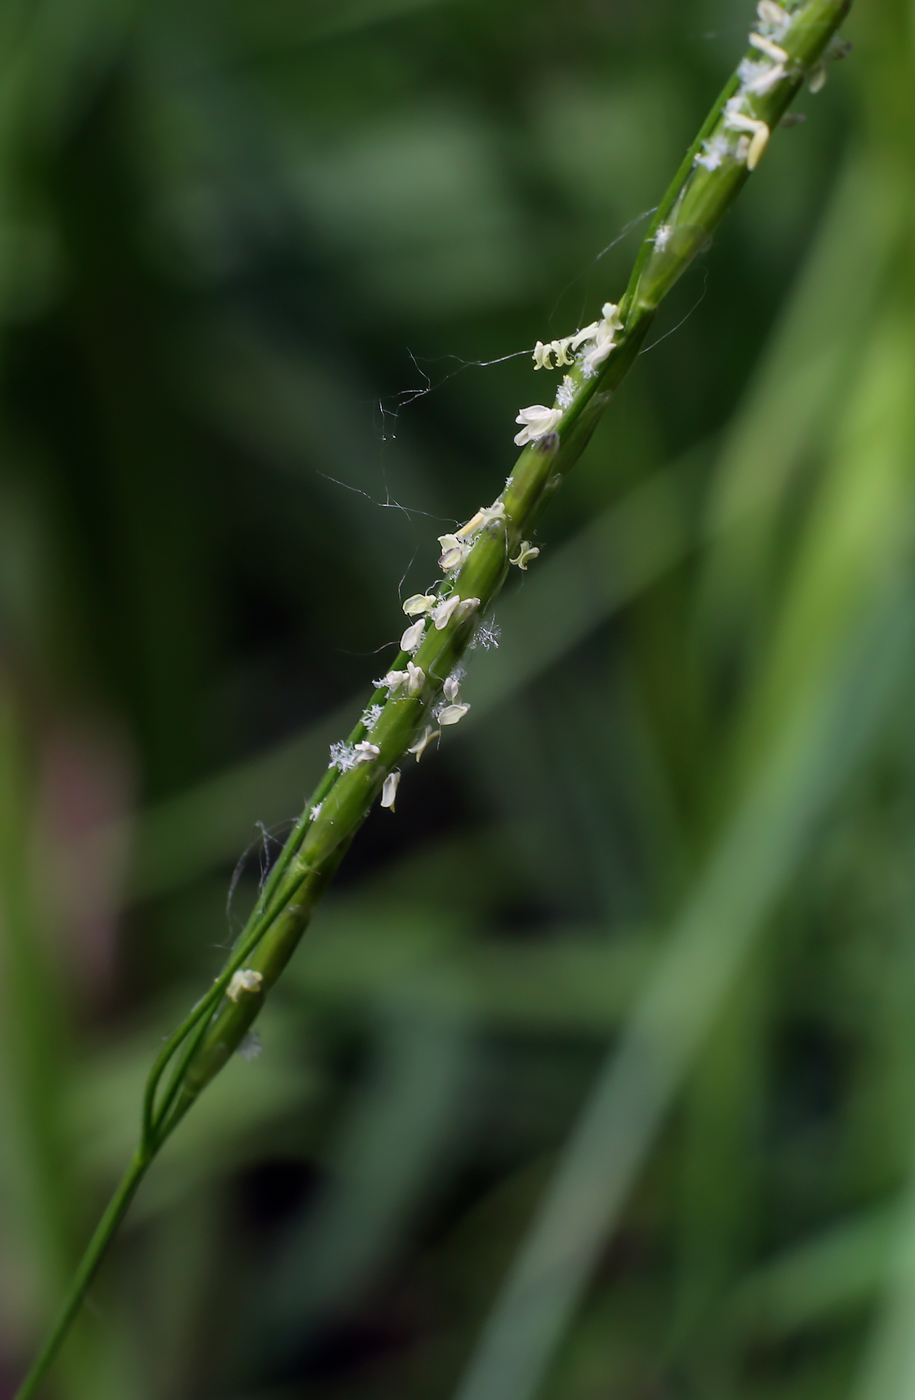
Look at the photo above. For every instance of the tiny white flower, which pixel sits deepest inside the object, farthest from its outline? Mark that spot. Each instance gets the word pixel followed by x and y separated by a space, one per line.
pixel 525 553
pixel 424 740
pixel 451 714
pixel 416 678
pixel 612 320
pixel 454 552
pixel 316 811
pixel 244 980
pixel 419 603
pixel 566 391
pixel 766 46
pixel 389 790
pixel 538 421
pixel 561 351
pixel 413 635
pixel 451 688
pixel 542 355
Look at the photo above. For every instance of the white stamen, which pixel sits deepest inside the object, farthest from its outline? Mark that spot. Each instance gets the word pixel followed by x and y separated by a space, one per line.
pixel 419 603
pixel 416 678
pixel 525 552
pixel 603 341
pixel 389 790
pixel 424 741
pixel 453 607
pixel 451 688
pixel 773 16
pixel 454 552
pixel 452 714
pixel 365 751
pixel 443 613
pixel 486 515
pixel 561 351
pixel 538 421
pixel 413 635
pixel 759 41
pixel 244 980
pixel 759 78
pixel 585 334
pixel 611 313
pixel 758 131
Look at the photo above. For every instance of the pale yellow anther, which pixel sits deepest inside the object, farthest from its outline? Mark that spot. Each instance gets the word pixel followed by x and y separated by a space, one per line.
pixel 524 555
pixel 757 131
pixel 416 679
pixel 389 790
pixel 419 603
pixel 413 635
pixel 424 740
pixel 759 41
pixel 452 714
pixel 244 980
pixel 486 515
pixel 473 523
pixel 770 12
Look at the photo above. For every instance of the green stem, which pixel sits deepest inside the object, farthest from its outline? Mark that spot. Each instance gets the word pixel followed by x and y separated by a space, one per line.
pixel 104 1233
pixel 701 192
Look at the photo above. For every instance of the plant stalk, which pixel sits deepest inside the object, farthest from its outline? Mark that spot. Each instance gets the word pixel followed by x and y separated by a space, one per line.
pixel 726 149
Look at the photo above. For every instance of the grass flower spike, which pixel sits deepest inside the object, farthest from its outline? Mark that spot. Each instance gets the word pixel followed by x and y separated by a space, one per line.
pixel 417 697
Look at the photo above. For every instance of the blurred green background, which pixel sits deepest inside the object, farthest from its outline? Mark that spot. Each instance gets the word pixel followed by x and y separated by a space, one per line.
pixel 630 977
